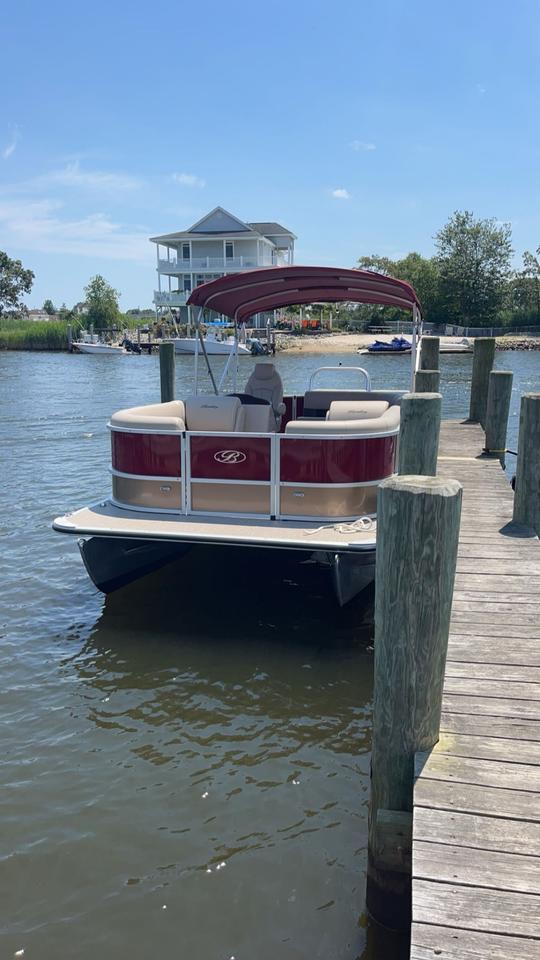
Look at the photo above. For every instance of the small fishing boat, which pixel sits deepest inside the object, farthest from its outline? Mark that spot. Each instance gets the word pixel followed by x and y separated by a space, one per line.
pixel 256 467
pixel 90 343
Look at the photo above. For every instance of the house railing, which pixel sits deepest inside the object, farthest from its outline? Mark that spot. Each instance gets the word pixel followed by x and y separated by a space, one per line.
pixel 175 298
pixel 195 264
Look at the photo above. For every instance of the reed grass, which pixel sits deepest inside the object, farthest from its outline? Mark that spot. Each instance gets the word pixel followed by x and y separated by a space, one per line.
pixel 34 335
pixel 17 334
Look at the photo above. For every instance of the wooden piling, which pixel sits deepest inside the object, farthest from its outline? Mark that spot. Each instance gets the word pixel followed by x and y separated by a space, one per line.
pixel 70 338
pixel 498 408
pixel 427 381
pixel 417 538
pixel 483 357
pixel 527 494
pixel 429 353
pixel 166 371
pixel 419 434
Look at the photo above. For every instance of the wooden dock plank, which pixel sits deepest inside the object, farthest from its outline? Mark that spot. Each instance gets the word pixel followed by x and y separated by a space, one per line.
pixel 492 671
pixel 490 726
pixel 485 833
pixel 488 748
pixel 488 773
pixel 429 941
pixel 491 706
pixel 473 687
pixel 476 836
pixel 503 651
pixel 476 867
pixel 471 798
pixel 471 908
pixel 466 627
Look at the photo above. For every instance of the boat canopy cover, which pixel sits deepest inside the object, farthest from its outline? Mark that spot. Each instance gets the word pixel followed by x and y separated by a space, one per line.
pixel 240 295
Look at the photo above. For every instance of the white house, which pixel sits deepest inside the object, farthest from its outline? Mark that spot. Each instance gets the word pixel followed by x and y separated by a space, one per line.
pixel 218 244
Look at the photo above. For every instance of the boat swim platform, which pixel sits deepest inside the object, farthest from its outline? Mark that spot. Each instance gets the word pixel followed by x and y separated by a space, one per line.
pixel 105 519
pixel 476 823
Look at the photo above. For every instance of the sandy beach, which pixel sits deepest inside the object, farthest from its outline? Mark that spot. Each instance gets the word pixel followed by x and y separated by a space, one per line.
pixel 352 342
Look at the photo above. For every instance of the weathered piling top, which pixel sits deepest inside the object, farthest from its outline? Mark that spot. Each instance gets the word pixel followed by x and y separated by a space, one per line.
pixel 476 834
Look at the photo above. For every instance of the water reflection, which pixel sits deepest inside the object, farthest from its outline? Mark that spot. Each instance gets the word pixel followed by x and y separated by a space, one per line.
pixel 251 742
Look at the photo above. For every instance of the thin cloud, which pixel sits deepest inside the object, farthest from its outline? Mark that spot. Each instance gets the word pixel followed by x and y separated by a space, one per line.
pixel 39 225
pixel 362 146
pixel 73 176
pixel 189 180
pixel 481 89
pixel 9 150
pixel 340 193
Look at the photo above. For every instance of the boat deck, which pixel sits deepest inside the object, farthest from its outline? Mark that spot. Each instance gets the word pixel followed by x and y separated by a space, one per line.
pixel 106 519
pixel 476 834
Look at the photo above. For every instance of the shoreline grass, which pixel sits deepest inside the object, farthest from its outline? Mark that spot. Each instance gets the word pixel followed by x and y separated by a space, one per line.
pixel 18 334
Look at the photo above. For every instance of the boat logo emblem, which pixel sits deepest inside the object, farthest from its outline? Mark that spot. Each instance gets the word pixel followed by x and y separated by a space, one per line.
pixel 230 456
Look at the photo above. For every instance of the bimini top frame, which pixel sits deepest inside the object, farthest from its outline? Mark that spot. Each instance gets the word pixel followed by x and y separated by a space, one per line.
pixel 241 295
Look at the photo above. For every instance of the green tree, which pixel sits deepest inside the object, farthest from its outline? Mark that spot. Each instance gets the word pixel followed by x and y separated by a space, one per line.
pixel 48 307
pixel 378 264
pixel 15 281
pixel 422 273
pixel 531 273
pixel 102 302
pixel 473 257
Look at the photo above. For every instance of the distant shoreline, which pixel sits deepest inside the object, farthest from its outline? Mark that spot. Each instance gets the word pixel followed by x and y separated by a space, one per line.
pixel 345 342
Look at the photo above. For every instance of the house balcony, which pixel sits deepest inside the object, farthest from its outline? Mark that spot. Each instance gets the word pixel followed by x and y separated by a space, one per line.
pixel 176 298
pixel 214 264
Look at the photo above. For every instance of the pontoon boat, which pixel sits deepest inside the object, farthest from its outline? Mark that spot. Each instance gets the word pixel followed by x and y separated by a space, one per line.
pixel 256 467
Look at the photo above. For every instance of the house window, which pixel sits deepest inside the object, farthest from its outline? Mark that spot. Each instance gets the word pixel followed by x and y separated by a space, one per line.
pixel 229 250
pixel 185 251
pixel 187 284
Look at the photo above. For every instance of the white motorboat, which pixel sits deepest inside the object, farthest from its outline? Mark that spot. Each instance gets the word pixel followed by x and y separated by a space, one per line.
pixel 257 467
pixel 90 343
pixel 214 343
pixel 456 346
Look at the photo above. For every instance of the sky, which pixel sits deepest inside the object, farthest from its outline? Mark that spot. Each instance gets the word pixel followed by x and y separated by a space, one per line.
pixel 359 126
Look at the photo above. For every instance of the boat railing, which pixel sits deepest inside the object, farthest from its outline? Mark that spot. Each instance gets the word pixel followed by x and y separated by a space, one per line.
pixel 341 369
pixel 321 475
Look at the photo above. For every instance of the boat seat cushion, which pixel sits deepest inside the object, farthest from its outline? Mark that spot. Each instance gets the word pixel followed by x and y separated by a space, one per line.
pixel 356 409
pixel 387 422
pixel 154 416
pixel 208 413
pixel 266 383
pixel 259 418
pixel 317 402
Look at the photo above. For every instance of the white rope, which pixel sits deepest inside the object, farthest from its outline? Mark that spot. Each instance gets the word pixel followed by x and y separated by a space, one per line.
pixel 357 526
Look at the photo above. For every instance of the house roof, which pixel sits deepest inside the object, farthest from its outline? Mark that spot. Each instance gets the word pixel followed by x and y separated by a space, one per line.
pixel 241 295
pixel 271 229
pixel 233 228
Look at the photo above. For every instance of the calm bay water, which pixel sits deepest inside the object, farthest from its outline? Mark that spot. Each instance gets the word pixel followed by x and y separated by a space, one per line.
pixel 185 764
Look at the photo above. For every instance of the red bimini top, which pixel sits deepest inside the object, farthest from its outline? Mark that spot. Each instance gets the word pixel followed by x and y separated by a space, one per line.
pixel 240 295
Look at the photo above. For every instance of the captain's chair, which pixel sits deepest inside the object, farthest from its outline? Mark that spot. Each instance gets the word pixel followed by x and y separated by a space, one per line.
pixel 266 383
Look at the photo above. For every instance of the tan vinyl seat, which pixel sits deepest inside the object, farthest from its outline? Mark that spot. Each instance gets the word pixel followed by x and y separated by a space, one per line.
pixel 214 414
pixel 266 383
pixel 387 422
pixel 356 409
pixel 259 418
pixel 317 402
pixel 153 416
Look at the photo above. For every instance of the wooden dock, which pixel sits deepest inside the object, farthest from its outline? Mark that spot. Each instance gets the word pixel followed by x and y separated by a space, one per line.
pixel 476 833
